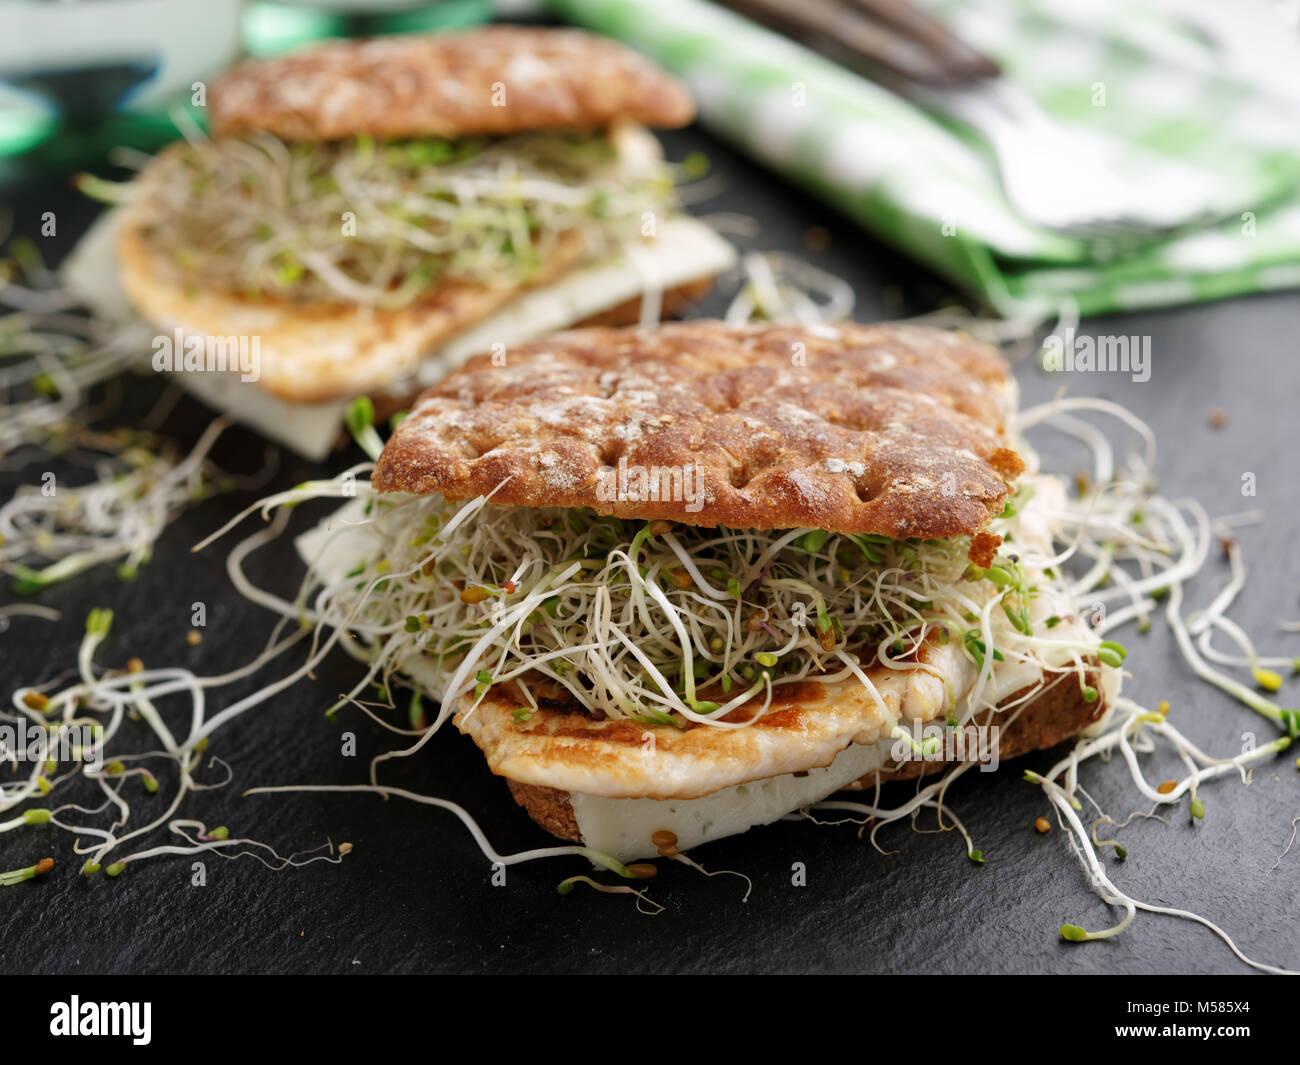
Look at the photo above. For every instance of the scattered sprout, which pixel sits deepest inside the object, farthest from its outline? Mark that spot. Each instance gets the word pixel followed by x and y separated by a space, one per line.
pixel 1267 679
pixel 17 876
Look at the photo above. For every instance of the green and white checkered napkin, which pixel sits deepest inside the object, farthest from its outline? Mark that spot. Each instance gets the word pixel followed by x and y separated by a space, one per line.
pixel 932 192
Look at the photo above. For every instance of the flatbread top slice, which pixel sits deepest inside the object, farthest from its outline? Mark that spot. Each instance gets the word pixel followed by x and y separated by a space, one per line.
pixel 887 429
pixel 492 81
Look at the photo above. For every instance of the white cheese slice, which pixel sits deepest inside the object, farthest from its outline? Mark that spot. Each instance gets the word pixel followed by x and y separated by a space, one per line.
pixel 336 544
pixel 623 827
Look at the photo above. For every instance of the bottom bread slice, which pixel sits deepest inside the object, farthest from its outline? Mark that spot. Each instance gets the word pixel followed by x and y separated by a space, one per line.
pixel 1052 715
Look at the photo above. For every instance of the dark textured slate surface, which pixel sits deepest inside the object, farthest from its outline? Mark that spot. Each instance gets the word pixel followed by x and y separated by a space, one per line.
pixel 415 895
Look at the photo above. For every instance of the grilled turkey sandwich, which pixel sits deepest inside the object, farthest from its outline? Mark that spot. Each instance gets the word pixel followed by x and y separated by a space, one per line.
pixel 373 212
pixel 690 579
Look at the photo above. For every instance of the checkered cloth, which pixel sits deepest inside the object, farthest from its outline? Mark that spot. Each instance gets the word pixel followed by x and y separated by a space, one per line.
pixel 1122 67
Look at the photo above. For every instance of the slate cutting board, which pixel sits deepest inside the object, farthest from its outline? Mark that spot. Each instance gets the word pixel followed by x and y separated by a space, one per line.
pixel 415 895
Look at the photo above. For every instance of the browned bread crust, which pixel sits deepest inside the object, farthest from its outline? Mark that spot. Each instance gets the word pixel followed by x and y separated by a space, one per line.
pixel 549 807
pixel 1058 713
pixel 492 81
pixel 887 429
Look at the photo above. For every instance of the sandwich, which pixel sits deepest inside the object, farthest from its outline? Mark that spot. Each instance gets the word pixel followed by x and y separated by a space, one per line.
pixel 678 582
pixel 367 214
